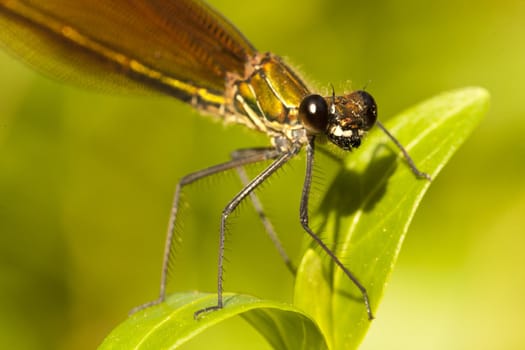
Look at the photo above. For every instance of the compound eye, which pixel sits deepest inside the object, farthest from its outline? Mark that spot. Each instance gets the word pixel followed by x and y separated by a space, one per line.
pixel 313 113
pixel 366 106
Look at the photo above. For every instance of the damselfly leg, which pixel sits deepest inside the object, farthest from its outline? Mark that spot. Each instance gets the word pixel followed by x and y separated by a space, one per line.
pixel 280 160
pixel 257 204
pixel 252 157
pixel 407 157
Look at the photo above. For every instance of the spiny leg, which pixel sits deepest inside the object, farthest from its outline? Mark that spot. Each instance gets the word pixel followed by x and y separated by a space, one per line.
pixel 257 204
pixel 409 160
pixel 304 218
pixel 186 180
pixel 272 168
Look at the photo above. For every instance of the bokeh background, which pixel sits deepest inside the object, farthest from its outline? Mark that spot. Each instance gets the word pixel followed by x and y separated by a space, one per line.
pixel 86 181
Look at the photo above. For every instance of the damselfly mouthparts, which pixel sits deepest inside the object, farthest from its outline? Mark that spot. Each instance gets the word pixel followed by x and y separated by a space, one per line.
pixel 185 49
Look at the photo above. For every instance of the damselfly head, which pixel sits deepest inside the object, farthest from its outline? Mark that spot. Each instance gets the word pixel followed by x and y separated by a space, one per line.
pixel 343 119
pixel 350 117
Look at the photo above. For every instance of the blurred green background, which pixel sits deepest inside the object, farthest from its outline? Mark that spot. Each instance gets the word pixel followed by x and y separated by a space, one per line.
pixel 86 182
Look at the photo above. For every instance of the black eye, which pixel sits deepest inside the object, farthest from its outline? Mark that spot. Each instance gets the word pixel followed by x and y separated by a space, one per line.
pixel 367 108
pixel 313 113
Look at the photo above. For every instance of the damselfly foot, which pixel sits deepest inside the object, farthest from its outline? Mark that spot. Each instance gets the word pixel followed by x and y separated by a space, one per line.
pixel 146 305
pixel 200 312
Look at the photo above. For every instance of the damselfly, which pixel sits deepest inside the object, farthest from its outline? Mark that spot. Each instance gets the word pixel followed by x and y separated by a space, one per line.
pixel 185 49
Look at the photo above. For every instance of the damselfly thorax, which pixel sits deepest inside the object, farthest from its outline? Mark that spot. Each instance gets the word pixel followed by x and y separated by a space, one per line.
pixel 267 97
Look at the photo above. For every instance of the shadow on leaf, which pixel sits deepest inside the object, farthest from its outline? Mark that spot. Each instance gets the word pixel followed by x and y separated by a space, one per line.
pixel 352 191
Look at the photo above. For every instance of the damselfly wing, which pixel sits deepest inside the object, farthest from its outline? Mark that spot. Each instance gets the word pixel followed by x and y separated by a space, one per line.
pixel 187 50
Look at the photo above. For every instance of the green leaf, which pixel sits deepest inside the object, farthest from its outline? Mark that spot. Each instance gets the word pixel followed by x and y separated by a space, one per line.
pixel 369 206
pixel 364 215
pixel 312 286
pixel 171 324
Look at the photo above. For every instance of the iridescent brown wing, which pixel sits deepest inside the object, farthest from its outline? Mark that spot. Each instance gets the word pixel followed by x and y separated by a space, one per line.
pixel 178 47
